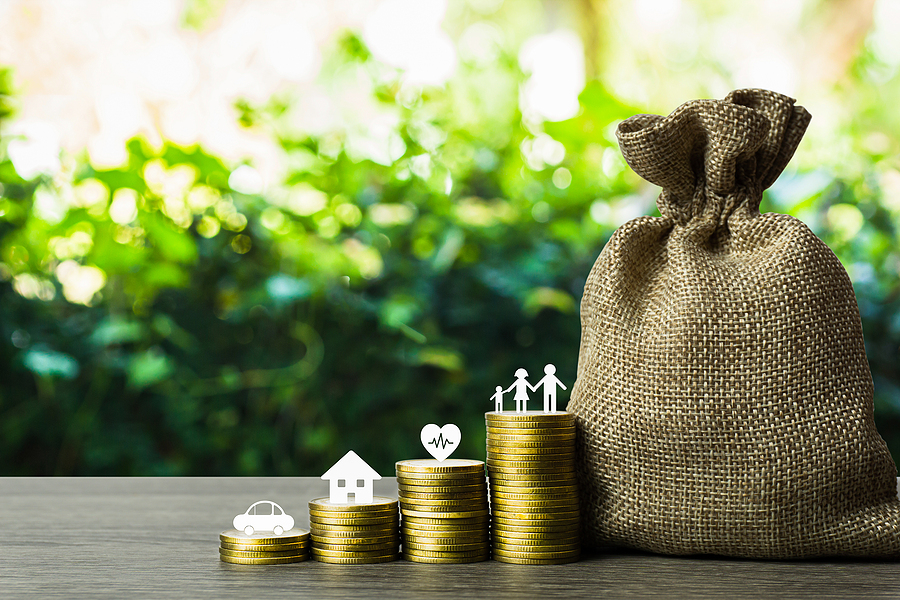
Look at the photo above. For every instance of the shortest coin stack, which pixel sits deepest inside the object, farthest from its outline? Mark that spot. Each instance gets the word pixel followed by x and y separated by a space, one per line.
pixel 264 548
pixel 354 534
pixel 445 511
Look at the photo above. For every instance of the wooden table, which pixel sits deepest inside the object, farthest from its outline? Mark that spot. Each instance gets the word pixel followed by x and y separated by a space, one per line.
pixel 158 538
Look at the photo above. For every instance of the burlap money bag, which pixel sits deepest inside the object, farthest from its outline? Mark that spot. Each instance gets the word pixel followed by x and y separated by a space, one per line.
pixel 723 400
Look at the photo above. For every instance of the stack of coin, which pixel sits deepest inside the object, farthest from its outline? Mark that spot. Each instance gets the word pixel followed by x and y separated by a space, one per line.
pixel 445 511
pixel 264 548
pixel 353 534
pixel 534 496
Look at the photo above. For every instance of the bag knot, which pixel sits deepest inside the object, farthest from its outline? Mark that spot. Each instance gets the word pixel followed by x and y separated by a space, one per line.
pixel 714 155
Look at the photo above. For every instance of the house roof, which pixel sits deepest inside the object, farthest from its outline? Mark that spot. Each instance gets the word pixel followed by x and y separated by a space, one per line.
pixel 351 466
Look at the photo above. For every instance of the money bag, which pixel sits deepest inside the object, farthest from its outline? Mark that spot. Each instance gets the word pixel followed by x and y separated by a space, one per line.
pixel 723 400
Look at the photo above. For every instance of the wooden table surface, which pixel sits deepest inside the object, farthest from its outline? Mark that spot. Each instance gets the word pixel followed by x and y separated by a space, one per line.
pixel 127 537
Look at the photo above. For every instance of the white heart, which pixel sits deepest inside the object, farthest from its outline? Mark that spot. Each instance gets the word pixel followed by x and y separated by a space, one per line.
pixel 440 441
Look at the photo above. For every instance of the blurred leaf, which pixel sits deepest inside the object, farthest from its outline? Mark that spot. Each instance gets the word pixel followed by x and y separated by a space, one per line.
pixel 149 368
pixel 49 363
pixel 544 297
pixel 284 289
pixel 117 330
pixel 173 244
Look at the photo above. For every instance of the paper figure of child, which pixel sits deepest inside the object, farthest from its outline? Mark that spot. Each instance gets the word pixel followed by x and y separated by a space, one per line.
pixel 549 383
pixel 521 386
pixel 498 398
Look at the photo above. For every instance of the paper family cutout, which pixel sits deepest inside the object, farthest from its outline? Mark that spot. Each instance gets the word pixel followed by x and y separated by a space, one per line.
pixel 350 476
pixel 440 441
pixel 264 515
pixel 549 383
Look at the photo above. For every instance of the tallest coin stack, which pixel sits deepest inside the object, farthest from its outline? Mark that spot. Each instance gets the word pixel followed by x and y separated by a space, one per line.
pixel 533 492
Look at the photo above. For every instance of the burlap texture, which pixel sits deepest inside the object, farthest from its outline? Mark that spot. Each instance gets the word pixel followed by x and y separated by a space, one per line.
pixel 723 400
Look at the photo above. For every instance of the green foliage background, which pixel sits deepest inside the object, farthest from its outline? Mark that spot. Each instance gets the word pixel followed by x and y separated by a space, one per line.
pixel 243 334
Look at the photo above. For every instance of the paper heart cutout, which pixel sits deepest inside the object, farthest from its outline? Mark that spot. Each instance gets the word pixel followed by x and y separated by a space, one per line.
pixel 440 441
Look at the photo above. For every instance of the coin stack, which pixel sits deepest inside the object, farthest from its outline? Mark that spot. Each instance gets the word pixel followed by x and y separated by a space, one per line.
pixel 264 548
pixel 354 534
pixel 445 511
pixel 534 496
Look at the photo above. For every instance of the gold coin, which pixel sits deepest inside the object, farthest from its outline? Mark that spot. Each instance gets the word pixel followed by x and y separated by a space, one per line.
pixel 432 560
pixel 457 546
pixel 263 561
pixel 441 512
pixel 561 537
pixel 500 468
pixel 442 489
pixel 545 453
pixel 250 554
pixel 533 513
pixel 351 543
pixel 566 502
pixel 513 517
pixel 379 503
pixel 343 553
pixel 531 460
pixel 441 475
pixel 369 514
pixel 537 555
pixel 533 479
pixel 535 490
pixel 354 530
pixel 458 514
pixel 445 540
pixel 570 541
pixel 517 526
pixel 406 485
pixel 448 524
pixel 534 429
pixel 415 496
pixel 432 484
pixel 371 539
pixel 291 536
pixel 421 506
pixel 439 554
pixel 354 548
pixel 526 438
pixel 481 493
pixel 430 501
pixel 519 448
pixel 450 465
pixel 511 547
pixel 541 450
pixel 365 560
pixel 319 520
pixel 530 416
pixel 535 561
pixel 534 460
pixel 552 508
pixel 535 526
pixel 422 535
pixel 264 547
pixel 481 530
pixel 505 461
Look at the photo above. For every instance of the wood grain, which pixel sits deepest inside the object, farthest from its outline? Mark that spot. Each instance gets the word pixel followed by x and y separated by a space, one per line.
pixel 118 538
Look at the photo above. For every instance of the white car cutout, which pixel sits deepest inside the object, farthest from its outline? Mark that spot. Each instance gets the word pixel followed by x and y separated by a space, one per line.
pixel 264 516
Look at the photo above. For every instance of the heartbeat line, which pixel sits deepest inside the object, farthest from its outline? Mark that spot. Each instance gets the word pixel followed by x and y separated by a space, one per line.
pixel 440 441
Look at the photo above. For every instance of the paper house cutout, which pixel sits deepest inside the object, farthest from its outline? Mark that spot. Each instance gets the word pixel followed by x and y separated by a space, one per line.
pixel 350 475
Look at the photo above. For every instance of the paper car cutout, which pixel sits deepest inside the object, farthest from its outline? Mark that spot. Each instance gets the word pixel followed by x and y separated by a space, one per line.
pixel 264 516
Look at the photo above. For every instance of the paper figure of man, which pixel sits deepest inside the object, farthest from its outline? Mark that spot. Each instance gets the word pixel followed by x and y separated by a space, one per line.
pixel 549 383
pixel 498 398
pixel 521 386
